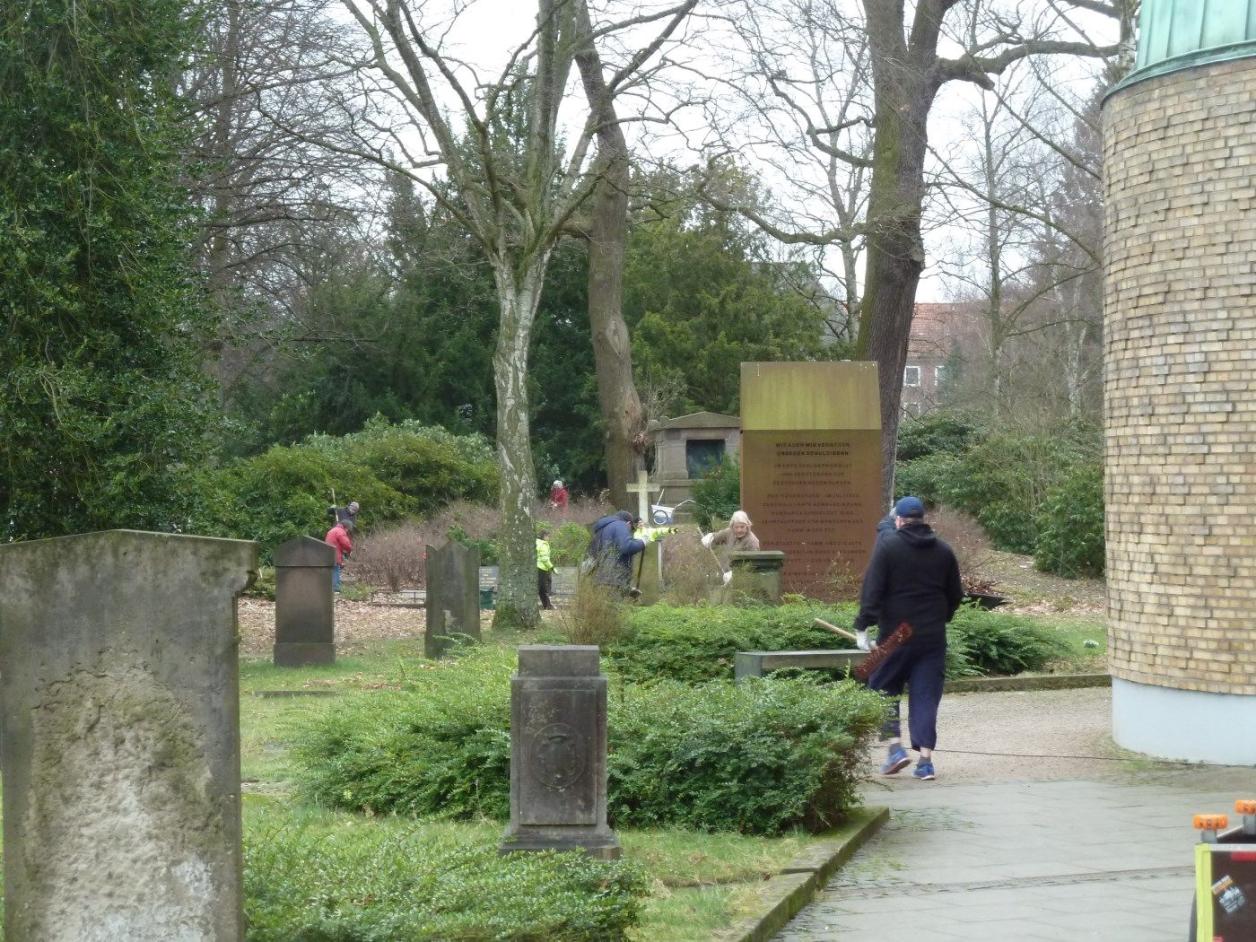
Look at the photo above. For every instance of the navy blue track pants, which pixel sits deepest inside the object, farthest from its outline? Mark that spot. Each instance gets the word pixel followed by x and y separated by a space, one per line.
pixel 922 671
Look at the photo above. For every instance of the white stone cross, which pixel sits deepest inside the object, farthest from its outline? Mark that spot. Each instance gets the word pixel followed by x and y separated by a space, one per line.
pixel 643 488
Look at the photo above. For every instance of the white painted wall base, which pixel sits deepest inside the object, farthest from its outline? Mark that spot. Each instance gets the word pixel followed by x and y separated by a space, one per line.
pixel 1184 724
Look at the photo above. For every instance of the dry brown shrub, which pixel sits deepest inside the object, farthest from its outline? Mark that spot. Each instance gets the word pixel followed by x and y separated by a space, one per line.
pixel 596 615
pixel 972 547
pixel 690 571
pixel 582 510
pixel 391 556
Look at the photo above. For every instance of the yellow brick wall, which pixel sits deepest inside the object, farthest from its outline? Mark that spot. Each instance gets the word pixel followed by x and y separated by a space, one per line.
pixel 1180 378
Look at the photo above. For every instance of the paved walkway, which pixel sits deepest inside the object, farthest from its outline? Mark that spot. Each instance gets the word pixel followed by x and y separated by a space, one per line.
pixel 1104 853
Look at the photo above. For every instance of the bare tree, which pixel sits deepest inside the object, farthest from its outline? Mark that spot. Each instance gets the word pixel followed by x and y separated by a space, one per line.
pixel 270 194
pixel 493 152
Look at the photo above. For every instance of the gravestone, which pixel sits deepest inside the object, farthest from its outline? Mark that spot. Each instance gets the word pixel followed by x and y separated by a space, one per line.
pixel 453 596
pixel 305 610
pixel 558 753
pixel 811 468
pixel 757 575
pixel 121 734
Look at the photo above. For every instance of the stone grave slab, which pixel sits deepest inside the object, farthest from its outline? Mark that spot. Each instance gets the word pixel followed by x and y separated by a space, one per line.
pixel 305 610
pixel 121 728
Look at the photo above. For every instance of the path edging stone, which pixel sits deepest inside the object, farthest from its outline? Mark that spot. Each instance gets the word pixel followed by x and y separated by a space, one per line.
pixel 783 896
pixel 1033 682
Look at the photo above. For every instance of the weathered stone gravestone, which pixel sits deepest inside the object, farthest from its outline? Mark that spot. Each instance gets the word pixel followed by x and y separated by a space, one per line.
pixel 121 736
pixel 757 575
pixel 558 753
pixel 811 468
pixel 453 596
pixel 305 610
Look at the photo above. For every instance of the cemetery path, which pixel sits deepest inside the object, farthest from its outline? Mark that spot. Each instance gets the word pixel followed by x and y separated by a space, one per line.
pixel 1009 844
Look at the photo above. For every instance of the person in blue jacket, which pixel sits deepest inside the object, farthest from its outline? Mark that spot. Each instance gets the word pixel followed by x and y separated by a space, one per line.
pixel 612 550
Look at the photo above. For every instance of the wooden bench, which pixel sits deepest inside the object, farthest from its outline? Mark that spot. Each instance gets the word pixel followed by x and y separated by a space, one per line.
pixel 758 663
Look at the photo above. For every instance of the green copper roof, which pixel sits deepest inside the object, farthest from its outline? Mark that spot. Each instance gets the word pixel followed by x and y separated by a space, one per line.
pixel 1181 34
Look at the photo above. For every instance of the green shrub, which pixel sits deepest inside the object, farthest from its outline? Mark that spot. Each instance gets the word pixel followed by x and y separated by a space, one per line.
pixel 327 878
pixel 717 495
pixel 698 643
pixel 756 757
pixel 936 433
pixel 392 471
pixel 1070 524
pixel 1002 480
pixel 995 643
pixel 568 544
pixel 441 748
pixel 752 757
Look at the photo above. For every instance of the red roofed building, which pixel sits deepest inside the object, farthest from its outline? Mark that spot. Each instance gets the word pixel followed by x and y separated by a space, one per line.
pixel 938 332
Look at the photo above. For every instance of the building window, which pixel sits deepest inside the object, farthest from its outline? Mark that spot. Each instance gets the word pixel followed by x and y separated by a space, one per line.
pixel 911 376
pixel 939 376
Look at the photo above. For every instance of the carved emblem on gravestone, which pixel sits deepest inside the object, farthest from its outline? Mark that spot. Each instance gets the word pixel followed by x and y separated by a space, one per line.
pixel 557 756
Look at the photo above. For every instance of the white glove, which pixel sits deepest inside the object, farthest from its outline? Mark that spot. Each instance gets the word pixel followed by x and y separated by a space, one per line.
pixel 728 577
pixel 707 539
pixel 861 641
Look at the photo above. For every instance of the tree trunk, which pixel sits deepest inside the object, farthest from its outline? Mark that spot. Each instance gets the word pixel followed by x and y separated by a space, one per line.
pixel 895 250
pixel 622 417
pixel 519 293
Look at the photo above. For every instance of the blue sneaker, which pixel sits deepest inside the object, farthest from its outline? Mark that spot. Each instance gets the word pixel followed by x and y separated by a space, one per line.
pixel 924 771
pixel 896 761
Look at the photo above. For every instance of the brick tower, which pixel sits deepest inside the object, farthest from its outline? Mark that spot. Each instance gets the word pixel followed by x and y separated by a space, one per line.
pixel 1180 384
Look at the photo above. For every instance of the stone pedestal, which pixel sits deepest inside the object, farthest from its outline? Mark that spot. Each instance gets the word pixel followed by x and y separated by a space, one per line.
pixel 757 575
pixel 453 596
pixel 305 611
pixel 122 737
pixel 558 753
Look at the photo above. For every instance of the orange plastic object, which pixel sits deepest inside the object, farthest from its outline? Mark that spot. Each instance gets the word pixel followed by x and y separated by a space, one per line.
pixel 1211 822
pixel 1245 806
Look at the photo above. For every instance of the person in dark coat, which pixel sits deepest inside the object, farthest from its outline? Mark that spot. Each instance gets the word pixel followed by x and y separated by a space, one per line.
pixel 912 577
pixel 612 550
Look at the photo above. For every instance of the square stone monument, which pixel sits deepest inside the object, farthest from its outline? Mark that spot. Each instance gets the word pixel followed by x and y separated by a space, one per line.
pixel 558 753
pixel 305 610
pixel 121 735
pixel 811 468
pixel 453 595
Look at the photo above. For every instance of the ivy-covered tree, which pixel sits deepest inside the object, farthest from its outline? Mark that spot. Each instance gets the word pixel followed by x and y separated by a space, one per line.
pixel 102 320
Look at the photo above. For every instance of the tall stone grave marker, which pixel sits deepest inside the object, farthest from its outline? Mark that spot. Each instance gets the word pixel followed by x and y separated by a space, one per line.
pixel 305 611
pixel 558 753
pixel 453 595
pixel 121 737
pixel 811 467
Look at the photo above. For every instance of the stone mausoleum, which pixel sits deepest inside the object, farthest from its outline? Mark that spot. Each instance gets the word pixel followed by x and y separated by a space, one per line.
pixel 1180 384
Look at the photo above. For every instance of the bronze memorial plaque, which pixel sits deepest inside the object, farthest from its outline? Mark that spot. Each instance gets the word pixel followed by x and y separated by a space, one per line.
pixel 811 469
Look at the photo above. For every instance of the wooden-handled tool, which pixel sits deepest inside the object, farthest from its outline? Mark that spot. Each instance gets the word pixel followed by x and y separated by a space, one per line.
pixel 876 657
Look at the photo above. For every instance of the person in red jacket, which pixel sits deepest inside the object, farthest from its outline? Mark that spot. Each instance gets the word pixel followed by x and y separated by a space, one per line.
pixel 558 496
pixel 338 536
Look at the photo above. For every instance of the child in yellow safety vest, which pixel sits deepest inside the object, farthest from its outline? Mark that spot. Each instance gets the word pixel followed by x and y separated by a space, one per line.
pixel 544 568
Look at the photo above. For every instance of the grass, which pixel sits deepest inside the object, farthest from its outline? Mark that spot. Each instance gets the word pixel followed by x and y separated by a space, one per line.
pixel 1075 631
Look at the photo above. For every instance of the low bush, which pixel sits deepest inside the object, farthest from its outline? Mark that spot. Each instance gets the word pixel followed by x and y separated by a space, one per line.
pixel 936 433
pixel 394 472
pixel 596 616
pixel 441 748
pixel 327 878
pixel 390 556
pixel 755 757
pixel 1070 524
pixel 698 643
pixel 994 643
pixel 568 543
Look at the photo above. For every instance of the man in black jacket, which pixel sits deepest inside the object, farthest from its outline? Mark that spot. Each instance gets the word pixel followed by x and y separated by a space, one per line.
pixel 912 577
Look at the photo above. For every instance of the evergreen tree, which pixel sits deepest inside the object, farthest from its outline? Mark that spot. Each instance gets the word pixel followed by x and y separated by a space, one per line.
pixel 102 320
